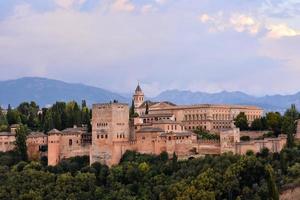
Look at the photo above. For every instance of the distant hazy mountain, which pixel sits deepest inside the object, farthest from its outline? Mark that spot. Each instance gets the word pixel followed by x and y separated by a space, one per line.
pixel 46 91
pixel 275 102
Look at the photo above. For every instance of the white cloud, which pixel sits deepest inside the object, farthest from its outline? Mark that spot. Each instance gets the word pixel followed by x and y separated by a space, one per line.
pixel 244 23
pixel 205 18
pixel 123 5
pixel 281 30
pixel 67 4
pixel 68 43
pixel 115 49
pixel 238 22
pixel 216 22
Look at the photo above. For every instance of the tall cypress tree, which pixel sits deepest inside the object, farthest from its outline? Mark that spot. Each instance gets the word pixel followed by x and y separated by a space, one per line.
pixel 273 191
pixel 147 108
pixel 48 121
pixel 290 136
pixel 83 104
pixel 131 113
pixel 21 147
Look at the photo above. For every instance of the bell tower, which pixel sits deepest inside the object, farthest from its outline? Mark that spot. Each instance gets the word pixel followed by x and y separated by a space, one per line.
pixel 138 97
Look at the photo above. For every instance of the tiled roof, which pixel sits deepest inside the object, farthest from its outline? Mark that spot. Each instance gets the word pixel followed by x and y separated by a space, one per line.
pixel 229 106
pixel 165 121
pixel 74 130
pixel 54 131
pixel 151 103
pixel 187 133
pixel 150 129
pixel 7 134
pixel 138 88
pixel 157 115
pixel 15 126
pixel 37 134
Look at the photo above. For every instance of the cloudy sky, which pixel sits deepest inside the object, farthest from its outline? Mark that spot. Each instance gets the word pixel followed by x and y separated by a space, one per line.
pixel 199 45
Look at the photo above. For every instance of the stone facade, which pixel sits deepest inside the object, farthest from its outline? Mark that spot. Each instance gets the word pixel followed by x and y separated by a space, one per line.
pixel 68 143
pixel 206 116
pixel 273 144
pixel 7 141
pixel 228 140
pixel 138 97
pixel 167 128
pixel 153 134
pixel 36 145
pixel 110 132
pixel 112 135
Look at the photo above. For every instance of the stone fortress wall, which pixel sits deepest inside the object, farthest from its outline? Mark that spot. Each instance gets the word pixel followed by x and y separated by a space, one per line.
pixel 68 143
pixel 36 143
pixel 165 128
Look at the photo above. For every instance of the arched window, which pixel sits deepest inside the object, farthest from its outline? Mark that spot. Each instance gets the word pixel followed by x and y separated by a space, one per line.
pixel 70 142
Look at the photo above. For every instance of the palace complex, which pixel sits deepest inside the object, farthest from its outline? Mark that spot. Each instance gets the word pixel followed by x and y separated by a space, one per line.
pixel 155 128
pixel 165 127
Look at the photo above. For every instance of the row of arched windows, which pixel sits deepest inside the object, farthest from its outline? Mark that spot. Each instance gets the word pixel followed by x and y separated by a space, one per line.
pixel 102 136
pixel 195 117
pixel 121 135
pixel 102 124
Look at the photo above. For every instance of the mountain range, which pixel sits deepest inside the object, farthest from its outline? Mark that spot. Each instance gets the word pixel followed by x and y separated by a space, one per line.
pixel 47 91
pixel 269 102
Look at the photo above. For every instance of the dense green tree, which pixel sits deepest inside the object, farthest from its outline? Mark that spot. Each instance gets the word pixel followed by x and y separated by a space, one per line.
pixel 174 162
pixel 73 114
pixel 274 121
pixel 204 134
pixel 83 104
pixel 13 116
pixel 245 138
pixel 292 112
pixel 141 176
pixel 273 191
pixel 59 115
pixel 147 108
pixel 85 115
pixel 3 121
pixel 48 121
pixel 264 123
pixel 131 111
pixel 289 124
pixel 289 128
pixel 29 114
pixel 241 121
pixel 257 125
pixel 21 147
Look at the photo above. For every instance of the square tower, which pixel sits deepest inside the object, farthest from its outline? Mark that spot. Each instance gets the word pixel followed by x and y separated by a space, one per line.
pixel 110 124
